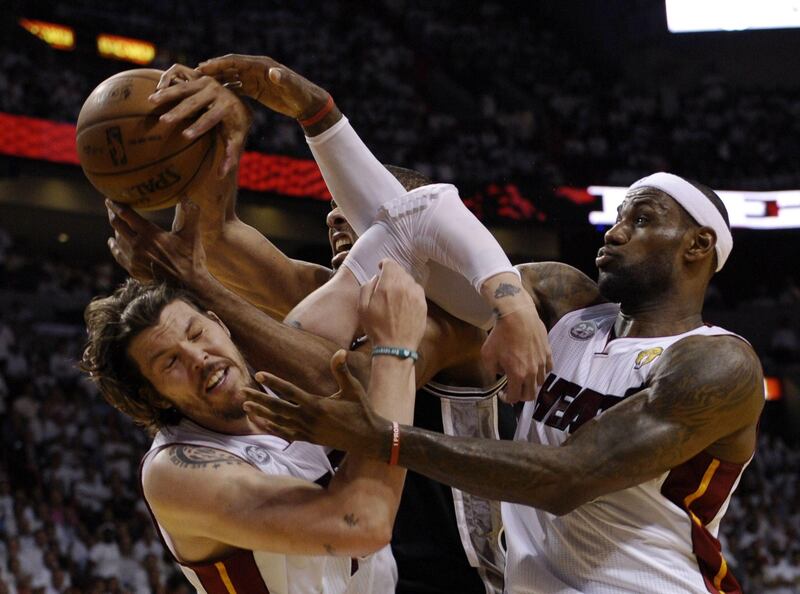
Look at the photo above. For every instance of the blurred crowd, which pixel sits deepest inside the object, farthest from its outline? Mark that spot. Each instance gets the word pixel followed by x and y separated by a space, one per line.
pixel 484 95
pixel 71 518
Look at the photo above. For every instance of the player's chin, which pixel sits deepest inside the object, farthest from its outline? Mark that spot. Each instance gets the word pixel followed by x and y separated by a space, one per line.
pixel 612 287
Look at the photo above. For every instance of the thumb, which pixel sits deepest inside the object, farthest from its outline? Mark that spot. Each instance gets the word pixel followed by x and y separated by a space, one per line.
pixel 348 385
pixel 179 219
pixel 190 219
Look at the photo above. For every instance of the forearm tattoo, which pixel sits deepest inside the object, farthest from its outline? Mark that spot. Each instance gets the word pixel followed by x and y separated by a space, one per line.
pixel 505 290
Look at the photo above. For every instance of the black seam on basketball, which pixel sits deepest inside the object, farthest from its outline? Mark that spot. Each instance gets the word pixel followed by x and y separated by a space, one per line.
pixel 162 159
pixel 157 205
pixel 86 127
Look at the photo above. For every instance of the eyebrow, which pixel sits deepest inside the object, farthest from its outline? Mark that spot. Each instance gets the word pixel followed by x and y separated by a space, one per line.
pixel 160 353
pixel 650 201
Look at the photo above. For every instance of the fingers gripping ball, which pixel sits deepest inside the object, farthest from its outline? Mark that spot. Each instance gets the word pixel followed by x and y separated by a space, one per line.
pixel 127 153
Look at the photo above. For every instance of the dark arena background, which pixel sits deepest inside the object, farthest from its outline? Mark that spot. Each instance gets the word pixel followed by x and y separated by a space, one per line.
pixel 539 111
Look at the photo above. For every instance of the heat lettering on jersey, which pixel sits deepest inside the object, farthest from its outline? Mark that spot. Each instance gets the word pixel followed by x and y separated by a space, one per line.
pixel 566 406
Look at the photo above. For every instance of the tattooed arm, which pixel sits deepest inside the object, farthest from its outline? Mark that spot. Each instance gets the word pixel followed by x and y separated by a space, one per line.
pixel 211 502
pixel 221 505
pixel 706 394
pixel 558 289
pixel 517 345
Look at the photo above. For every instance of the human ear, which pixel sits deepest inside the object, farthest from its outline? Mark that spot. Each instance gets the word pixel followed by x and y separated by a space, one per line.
pixel 703 244
pixel 215 317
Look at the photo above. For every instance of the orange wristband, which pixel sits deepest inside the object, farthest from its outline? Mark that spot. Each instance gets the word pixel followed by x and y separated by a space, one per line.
pixel 394 456
pixel 326 109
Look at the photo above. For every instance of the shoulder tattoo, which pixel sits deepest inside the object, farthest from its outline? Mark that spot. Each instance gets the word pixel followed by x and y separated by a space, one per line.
pixel 700 389
pixel 186 456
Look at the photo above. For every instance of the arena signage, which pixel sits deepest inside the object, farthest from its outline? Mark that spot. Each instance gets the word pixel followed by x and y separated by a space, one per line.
pixel 56 36
pixel 125 48
pixel 747 210
pixel 689 16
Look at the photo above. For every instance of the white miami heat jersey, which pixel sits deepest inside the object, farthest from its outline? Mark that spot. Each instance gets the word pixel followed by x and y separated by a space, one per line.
pixel 658 536
pixel 262 572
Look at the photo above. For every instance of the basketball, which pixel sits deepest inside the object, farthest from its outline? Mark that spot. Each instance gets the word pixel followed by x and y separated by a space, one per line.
pixel 127 153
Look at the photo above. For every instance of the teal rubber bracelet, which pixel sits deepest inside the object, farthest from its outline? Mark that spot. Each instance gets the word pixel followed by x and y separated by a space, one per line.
pixel 398 352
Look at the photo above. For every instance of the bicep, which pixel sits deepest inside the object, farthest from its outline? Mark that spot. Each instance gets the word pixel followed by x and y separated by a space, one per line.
pixel 558 289
pixel 226 500
pixel 250 265
pixel 690 405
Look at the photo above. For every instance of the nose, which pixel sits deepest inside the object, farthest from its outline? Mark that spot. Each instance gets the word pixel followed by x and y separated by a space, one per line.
pixel 617 235
pixel 195 356
pixel 336 219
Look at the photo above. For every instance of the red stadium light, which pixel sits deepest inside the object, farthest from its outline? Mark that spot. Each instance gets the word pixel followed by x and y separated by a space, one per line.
pixel 56 36
pixel 125 48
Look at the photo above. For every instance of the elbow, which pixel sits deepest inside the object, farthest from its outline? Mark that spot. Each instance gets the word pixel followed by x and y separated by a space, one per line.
pixel 382 538
pixel 369 540
pixel 379 535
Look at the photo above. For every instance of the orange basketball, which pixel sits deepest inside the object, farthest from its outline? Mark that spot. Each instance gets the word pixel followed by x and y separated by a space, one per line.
pixel 127 153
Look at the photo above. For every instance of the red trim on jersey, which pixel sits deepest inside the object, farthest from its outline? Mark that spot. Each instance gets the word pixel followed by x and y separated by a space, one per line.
pixel 700 487
pixel 237 574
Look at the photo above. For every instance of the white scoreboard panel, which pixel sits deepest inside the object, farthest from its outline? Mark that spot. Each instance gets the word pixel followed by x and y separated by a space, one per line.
pixel 688 16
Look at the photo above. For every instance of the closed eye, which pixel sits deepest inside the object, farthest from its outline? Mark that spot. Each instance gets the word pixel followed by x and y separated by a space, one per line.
pixel 196 335
pixel 170 363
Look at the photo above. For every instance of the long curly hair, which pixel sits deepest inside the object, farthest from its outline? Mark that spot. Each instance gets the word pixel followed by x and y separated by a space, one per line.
pixel 112 323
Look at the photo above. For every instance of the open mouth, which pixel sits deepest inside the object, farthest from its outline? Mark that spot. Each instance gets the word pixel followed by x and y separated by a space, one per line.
pixel 216 379
pixel 342 244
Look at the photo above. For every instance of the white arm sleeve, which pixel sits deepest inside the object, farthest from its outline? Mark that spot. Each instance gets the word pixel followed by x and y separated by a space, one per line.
pixel 358 182
pixel 413 228
pixel 439 241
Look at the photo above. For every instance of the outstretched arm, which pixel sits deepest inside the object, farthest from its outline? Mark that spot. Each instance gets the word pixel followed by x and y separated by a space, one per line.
pixel 706 395
pixel 238 255
pixel 298 356
pixel 453 237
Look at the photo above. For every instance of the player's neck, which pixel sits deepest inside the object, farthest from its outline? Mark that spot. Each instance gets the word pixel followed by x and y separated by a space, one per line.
pixel 662 318
pixel 241 426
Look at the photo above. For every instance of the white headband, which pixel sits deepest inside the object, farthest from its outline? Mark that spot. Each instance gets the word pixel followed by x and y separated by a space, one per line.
pixel 696 204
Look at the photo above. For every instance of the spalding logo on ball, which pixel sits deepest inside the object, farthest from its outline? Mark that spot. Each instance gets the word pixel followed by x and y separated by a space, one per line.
pixel 127 153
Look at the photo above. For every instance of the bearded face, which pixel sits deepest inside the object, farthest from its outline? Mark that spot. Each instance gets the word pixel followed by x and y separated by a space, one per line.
pixel 640 259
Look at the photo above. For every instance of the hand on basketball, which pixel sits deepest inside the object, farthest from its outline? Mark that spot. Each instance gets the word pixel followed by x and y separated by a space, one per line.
pixel 343 421
pixel 148 252
pixel 392 308
pixel 211 103
pixel 270 83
